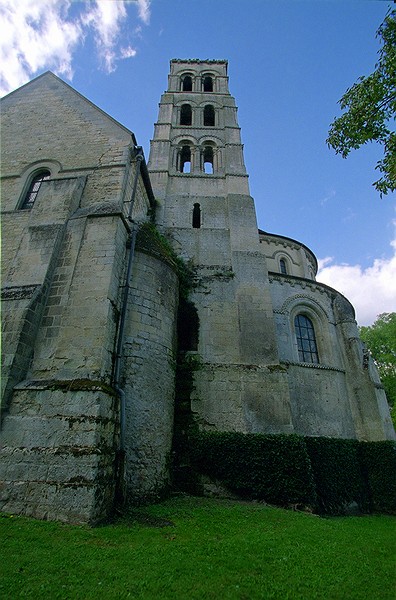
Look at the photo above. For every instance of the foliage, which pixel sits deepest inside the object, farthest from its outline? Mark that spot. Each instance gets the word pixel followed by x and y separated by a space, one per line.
pixel 274 468
pixel 215 549
pixel 149 239
pixel 337 474
pixel 379 466
pixel 371 110
pixel 380 339
pixel 325 474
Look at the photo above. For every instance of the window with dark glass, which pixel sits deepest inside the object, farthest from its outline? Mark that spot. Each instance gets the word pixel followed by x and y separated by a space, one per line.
pixel 207 84
pixel 33 189
pixel 282 266
pixel 209 116
pixel 196 219
pixel 185 114
pixel 185 159
pixel 187 84
pixel 306 341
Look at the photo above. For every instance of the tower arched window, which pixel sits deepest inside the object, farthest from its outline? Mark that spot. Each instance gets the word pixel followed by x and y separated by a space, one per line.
pixel 208 164
pixel 196 217
pixel 33 189
pixel 207 83
pixel 185 159
pixel 306 340
pixel 282 266
pixel 187 83
pixel 186 114
pixel 209 116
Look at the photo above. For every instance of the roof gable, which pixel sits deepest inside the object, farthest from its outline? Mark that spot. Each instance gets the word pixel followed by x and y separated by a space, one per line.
pixel 49 80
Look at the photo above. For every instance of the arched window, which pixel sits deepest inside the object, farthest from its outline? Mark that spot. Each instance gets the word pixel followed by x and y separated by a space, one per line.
pixel 282 266
pixel 209 116
pixel 207 84
pixel 196 218
pixel 306 341
pixel 187 83
pixel 208 160
pixel 185 159
pixel 185 114
pixel 33 189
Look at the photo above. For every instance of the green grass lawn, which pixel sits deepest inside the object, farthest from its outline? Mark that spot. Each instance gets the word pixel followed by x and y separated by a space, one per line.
pixel 213 549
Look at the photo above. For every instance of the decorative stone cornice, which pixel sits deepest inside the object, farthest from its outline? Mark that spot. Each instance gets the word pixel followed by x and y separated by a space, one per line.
pixel 311 366
pixel 303 283
pixel 194 61
pixel 19 292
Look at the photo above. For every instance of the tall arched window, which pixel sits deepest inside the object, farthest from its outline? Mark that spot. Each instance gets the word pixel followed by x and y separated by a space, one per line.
pixel 208 166
pixel 33 189
pixel 306 341
pixel 185 159
pixel 209 116
pixel 282 266
pixel 187 83
pixel 185 114
pixel 207 84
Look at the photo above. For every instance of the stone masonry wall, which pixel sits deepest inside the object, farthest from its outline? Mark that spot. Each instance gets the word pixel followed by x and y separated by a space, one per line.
pixel 63 270
pixel 149 375
pixel 58 449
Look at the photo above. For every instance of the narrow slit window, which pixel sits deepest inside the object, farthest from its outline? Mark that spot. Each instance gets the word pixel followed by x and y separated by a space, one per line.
pixel 33 190
pixel 306 341
pixel 187 84
pixel 185 160
pixel 186 114
pixel 207 84
pixel 208 160
pixel 196 219
pixel 209 116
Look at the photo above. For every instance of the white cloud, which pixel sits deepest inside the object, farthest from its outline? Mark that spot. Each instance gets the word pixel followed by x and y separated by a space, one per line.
pixel 127 52
pixel 372 291
pixel 144 10
pixel 105 17
pixel 35 35
pixel 44 34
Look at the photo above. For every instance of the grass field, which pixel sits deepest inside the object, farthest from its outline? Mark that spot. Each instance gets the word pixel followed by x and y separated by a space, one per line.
pixel 199 548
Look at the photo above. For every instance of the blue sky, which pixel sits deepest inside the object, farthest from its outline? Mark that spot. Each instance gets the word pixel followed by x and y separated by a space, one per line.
pixel 289 64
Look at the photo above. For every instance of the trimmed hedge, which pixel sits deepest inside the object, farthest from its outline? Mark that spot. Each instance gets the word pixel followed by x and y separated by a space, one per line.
pixel 378 460
pixel 337 473
pixel 274 468
pixel 326 474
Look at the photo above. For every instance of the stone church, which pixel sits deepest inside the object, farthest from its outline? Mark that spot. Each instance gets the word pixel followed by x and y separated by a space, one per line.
pixel 90 300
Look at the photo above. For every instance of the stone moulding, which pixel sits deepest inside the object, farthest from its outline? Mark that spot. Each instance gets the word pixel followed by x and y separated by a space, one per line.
pixel 311 366
pixel 67 385
pixel 193 61
pixel 316 286
pixel 19 292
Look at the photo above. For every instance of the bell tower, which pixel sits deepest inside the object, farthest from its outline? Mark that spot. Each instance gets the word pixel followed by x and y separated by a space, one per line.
pixel 196 159
pixel 201 186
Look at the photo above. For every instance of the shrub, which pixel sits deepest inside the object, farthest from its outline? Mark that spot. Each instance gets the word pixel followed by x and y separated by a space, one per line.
pixel 378 461
pixel 337 473
pixel 274 468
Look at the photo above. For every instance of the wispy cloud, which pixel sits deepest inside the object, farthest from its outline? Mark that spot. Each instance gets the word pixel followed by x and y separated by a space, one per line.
pixel 144 10
pixel 372 291
pixel 45 34
pixel 329 196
